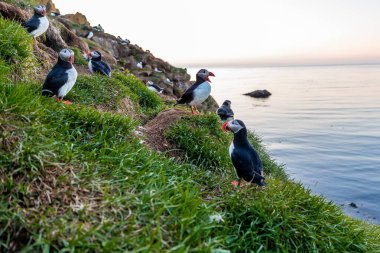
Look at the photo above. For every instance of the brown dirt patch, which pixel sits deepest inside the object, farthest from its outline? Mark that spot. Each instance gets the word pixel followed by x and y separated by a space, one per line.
pixel 154 129
pixel 82 70
pixel 12 12
pixel 125 107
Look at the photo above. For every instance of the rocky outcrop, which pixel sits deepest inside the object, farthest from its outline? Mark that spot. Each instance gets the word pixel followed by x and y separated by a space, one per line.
pixel 12 12
pixel 77 18
pixel 70 37
pixel 259 94
pixel 66 31
pixel 53 38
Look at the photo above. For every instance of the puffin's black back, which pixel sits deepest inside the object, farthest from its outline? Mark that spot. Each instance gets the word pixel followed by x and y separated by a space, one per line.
pixel 33 23
pixel 56 78
pixel 101 67
pixel 245 159
pixel 225 112
pixel 188 96
pixel 156 87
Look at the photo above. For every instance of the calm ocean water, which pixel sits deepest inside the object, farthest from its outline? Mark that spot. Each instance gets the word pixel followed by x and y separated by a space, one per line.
pixel 323 123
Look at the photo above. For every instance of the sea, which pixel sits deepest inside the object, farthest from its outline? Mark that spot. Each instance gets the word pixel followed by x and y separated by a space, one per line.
pixel 322 123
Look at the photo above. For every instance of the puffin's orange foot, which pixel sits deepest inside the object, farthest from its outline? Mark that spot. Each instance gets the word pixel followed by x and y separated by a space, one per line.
pixel 235 183
pixel 67 102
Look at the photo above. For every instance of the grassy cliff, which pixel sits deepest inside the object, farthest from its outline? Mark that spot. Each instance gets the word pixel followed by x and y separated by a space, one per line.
pixel 79 178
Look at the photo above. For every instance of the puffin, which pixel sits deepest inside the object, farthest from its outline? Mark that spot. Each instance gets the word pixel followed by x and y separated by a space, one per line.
pixel 88 35
pixel 154 87
pixel 246 161
pixel 198 92
pixel 96 64
pixel 124 42
pixel 225 112
pixel 38 23
pixel 62 77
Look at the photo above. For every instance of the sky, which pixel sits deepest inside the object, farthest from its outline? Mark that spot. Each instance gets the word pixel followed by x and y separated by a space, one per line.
pixel 242 32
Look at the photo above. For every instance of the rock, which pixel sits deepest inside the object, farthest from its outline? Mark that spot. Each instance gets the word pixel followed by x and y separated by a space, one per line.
pixel 210 105
pixel 54 39
pixel 46 56
pixel 77 18
pixel 111 44
pixel 70 38
pixel 259 94
pixel 12 12
pixel 353 205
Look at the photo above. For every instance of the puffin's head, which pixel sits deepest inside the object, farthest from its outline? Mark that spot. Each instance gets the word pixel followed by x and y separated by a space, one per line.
pixel 96 55
pixel 67 55
pixel 227 103
pixel 234 126
pixel 204 74
pixel 40 9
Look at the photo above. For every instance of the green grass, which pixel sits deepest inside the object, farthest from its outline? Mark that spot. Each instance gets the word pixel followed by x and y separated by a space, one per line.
pixel 284 217
pixel 77 179
pixel 79 59
pixel 149 101
pixel 74 179
pixel 23 4
pixel 205 144
pixel 16 51
pixel 101 91
pixel 5 71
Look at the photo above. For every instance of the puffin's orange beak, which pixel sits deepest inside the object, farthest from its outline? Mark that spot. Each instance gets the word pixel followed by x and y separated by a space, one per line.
pixel 225 126
pixel 209 74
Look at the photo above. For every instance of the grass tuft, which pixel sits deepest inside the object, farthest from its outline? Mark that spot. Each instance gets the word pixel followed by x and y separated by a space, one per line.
pixel 16 50
pixel 149 101
pixel 23 4
pixel 79 59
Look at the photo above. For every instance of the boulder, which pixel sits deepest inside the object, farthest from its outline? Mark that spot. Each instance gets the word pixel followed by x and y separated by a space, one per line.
pixel 259 94
pixel 46 56
pixel 54 39
pixel 12 12
pixel 70 37
pixel 77 18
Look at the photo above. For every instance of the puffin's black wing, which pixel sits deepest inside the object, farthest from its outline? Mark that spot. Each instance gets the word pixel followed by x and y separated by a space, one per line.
pixel 229 113
pixel 188 96
pixel 247 163
pixel 32 24
pixel 101 67
pixel 56 78
pixel 157 87
pixel 222 112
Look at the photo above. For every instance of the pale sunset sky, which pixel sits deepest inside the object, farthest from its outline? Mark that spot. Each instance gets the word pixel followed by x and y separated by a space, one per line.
pixel 243 32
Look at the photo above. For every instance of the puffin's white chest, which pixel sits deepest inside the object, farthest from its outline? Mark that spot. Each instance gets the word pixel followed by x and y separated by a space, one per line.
pixel 72 78
pixel 231 149
pixel 90 35
pixel 154 89
pixel 42 28
pixel 201 93
pixel 90 66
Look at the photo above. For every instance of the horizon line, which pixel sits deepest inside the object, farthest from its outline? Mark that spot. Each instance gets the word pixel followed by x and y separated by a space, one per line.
pixel 248 65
